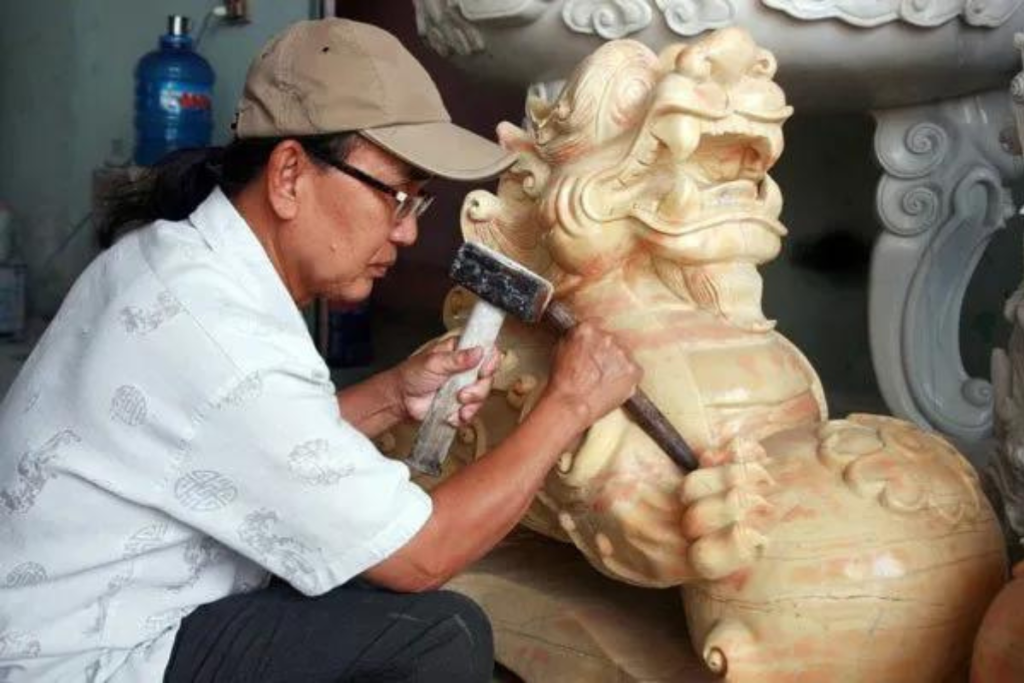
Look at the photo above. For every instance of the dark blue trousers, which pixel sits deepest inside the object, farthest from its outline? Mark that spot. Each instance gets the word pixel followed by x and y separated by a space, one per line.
pixel 356 632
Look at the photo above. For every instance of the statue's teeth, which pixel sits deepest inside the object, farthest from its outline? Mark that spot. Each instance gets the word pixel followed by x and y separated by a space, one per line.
pixel 739 193
pixel 681 203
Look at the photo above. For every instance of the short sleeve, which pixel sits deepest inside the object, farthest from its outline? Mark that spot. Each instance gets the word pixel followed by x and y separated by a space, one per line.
pixel 276 474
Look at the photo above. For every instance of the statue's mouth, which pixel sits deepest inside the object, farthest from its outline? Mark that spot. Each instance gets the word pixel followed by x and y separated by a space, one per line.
pixel 732 203
pixel 723 180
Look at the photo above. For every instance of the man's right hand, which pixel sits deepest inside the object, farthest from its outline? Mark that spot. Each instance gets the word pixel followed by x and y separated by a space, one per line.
pixel 591 373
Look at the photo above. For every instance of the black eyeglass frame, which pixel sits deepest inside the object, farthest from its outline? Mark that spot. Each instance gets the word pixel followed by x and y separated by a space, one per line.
pixel 407 204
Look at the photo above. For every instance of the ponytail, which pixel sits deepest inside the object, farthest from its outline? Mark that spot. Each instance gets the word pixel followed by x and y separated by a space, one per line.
pixel 173 188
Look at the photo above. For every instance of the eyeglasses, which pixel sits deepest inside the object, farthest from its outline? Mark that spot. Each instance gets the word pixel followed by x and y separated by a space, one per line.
pixel 407 204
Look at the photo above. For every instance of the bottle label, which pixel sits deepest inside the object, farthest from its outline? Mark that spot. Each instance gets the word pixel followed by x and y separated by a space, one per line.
pixel 178 98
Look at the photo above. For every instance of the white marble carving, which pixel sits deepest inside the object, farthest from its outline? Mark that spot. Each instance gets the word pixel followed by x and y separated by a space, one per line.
pixel 609 19
pixel 827 66
pixel 690 17
pixel 941 198
pixel 446 29
pixel 513 12
pixel 448 24
pixel 927 13
pixel 1017 97
pixel 1006 469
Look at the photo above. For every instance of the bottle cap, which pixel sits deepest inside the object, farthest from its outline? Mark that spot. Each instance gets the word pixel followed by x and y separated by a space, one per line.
pixel 178 25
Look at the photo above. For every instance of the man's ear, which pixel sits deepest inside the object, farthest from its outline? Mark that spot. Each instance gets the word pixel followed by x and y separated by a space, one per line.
pixel 284 173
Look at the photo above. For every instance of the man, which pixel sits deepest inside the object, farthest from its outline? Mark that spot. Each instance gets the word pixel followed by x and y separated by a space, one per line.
pixel 174 439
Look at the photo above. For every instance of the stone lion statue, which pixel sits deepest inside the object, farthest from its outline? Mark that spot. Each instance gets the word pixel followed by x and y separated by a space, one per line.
pixel 858 549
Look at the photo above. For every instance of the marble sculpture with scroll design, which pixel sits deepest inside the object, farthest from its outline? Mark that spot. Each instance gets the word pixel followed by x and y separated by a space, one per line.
pixel 858 549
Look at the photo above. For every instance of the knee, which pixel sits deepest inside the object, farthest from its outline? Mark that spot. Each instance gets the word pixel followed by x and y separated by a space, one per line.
pixel 474 637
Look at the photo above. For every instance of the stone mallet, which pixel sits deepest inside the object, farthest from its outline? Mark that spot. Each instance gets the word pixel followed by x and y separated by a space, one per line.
pixel 504 286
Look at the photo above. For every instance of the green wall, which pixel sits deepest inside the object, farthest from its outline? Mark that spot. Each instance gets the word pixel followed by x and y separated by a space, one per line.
pixel 66 86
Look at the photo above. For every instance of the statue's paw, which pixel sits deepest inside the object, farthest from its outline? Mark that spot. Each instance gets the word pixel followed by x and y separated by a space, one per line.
pixel 711 514
pixel 726 551
pixel 728 517
pixel 738 450
pixel 710 481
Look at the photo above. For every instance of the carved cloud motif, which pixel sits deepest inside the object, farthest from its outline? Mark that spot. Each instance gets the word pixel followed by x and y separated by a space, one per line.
pixel 690 17
pixel 513 12
pixel 917 12
pixel 450 25
pixel 907 470
pixel 609 19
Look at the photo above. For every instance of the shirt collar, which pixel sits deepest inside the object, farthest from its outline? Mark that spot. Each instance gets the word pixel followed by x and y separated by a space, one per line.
pixel 229 235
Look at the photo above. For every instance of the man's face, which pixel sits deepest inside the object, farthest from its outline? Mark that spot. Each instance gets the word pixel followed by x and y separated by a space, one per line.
pixel 349 235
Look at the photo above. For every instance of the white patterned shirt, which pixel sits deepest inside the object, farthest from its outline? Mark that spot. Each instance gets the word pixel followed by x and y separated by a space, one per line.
pixel 173 438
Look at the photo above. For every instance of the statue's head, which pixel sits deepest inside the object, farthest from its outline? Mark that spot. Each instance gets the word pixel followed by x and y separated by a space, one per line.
pixel 645 155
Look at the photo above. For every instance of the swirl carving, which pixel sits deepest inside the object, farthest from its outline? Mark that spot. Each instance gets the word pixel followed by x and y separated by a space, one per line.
pixel 1017 88
pixel 909 210
pixel 609 19
pixel 924 13
pixel 911 152
pixel 929 143
pixel 989 13
pixel 912 149
pixel 906 469
pixel 690 17
pixel 942 198
pixel 922 203
pixel 978 392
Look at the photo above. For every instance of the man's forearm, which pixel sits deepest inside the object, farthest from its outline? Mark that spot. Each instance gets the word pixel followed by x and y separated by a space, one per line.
pixel 480 504
pixel 372 406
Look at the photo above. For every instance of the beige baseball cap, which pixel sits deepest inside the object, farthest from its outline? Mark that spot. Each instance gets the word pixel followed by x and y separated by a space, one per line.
pixel 337 75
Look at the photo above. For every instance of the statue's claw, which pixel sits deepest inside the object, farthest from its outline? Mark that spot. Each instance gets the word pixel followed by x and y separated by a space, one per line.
pixel 713 480
pixel 715 512
pixel 728 550
pixel 727 516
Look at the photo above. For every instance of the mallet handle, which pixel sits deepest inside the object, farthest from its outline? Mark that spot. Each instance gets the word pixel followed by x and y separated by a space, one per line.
pixel 639 406
pixel 436 434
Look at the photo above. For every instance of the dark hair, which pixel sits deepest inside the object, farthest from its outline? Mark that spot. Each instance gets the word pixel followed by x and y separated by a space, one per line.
pixel 173 188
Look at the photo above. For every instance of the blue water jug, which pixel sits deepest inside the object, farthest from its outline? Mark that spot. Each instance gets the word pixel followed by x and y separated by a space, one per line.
pixel 173 96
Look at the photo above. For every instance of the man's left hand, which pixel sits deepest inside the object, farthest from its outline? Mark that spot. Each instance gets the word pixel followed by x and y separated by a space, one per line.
pixel 419 377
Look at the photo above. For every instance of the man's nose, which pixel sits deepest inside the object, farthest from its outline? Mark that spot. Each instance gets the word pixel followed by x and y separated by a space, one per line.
pixel 405 232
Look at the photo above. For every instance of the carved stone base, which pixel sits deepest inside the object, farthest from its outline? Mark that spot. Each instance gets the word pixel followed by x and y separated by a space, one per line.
pixel 943 195
pixel 556 619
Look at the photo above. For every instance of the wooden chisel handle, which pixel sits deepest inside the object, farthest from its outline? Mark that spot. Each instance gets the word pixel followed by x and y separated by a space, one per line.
pixel 639 406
